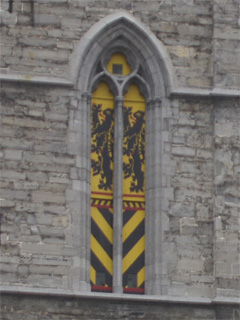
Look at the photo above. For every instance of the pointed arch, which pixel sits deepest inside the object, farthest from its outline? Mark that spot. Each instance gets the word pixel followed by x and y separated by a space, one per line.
pixel 152 72
pixel 124 30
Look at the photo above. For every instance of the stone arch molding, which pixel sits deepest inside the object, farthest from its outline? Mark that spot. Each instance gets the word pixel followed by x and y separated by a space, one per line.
pixel 119 30
pixel 122 29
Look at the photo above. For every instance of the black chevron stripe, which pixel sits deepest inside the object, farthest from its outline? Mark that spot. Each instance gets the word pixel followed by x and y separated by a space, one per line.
pixel 101 238
pixel 97 265
pixel 133 238
pixel 107 214
pixel 134 269
pixel 137 265
pixel 127 215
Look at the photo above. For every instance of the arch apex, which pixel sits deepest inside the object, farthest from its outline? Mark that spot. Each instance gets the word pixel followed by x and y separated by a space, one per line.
pixel 103 33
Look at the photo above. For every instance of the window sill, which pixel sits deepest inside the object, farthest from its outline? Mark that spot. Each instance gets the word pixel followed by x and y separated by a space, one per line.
pixel 117 297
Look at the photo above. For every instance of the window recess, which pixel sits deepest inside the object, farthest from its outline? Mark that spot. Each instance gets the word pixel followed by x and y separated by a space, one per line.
pixel 117 178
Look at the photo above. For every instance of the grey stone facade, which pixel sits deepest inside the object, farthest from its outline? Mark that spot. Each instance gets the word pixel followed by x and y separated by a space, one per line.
pixel 192 58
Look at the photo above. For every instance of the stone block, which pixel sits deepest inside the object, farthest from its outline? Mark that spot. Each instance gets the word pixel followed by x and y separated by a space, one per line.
pixel 200 290
pixel 236 268
pixel 37 42
pixel 12 175
pixel 37 157
pixel 183 151
pixel 55 147
pixel 71 23
pixel 13 154
pixel 191 265
pixel 73 195
pixel 46 19
pixel 28 207
pixel 7 18
pixel 8 278
pixel 25 185
pixel 65 45
pixel 188 226
pixel 61 271
pixel 37 176
pixel 44 219
pixel 44 281
pixel 227 33
pixel 60 221
pixel 49 197
pixel 37 269
pixel 6 203
pixel 43 249
pixel 59 178
pixel 55 209
pixel 15 194
pixel 44 54
pixel 15 144
pixel 51 231
pixel 23 270
pixel 51 260
pixel 64 160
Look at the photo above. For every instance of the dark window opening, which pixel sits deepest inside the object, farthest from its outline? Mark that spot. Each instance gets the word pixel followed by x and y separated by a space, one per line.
pixel 117 68
pixel 100 279
pixel 132 280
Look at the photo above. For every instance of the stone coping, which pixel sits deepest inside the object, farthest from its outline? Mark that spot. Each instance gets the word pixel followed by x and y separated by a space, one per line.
pixel 118 297
pixel 178 92
pixel 198 92
pixel 35 79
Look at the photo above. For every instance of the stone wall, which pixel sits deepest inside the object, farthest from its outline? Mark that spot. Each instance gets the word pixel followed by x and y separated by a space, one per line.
pixel 200 140
pixel 201 200
pixel 35 221
pixel 201 37
pixel 190 210
pixel 227 196
pixel 26 307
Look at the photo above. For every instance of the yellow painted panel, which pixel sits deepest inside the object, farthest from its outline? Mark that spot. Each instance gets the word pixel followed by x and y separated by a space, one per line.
pixel 102 224
pixel 133 254
pixel 132 224
pixel 102 92
pixel 102 142
pixel 119 58
pixel 101 254
pixel 141 277
pixel 92 275
pixel 134 95
pixel 134 145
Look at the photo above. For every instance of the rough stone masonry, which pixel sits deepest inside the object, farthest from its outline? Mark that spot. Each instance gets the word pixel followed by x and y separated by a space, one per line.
pixel 42 176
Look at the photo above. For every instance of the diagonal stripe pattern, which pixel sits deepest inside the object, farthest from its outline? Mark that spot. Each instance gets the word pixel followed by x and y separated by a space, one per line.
pixel 101 244
pixel 133 247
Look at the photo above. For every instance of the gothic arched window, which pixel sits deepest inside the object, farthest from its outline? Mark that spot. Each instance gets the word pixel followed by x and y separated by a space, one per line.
pixel 118 173
pixel 123 76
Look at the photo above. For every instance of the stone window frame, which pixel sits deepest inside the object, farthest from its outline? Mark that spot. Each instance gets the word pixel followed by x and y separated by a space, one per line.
pixel 124 32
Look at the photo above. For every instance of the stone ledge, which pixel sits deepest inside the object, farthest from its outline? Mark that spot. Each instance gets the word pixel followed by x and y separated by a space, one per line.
pixel 115 296
pixel 177 92
pixel 35 80
pixel 198 92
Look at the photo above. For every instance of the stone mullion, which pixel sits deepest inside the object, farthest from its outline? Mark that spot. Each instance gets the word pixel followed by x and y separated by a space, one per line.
pixel 117 196
pixel 85 191
pixel 157 198
pixel 149 195
pixel 153 198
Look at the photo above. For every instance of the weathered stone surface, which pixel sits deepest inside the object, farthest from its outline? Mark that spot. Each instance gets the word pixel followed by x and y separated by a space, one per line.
pixel 46 167
pixel 85 309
